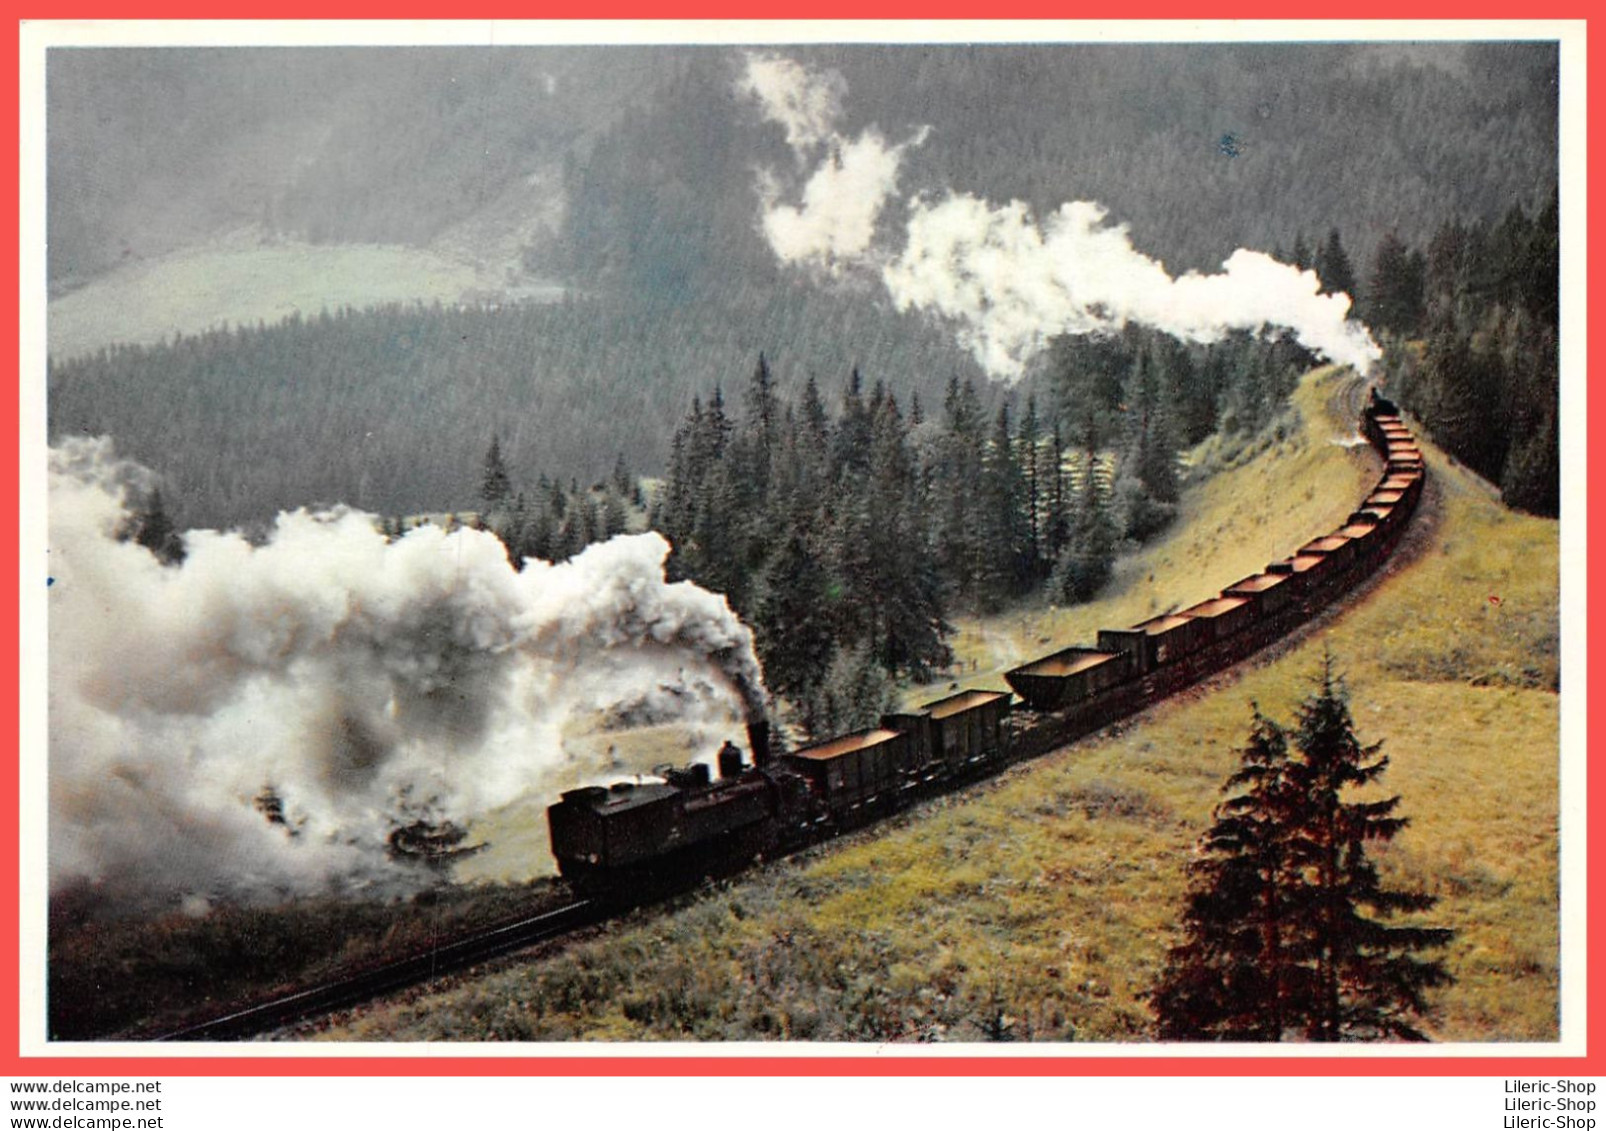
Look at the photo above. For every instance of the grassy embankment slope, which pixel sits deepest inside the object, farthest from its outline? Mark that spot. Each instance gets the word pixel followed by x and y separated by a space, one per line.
pixel 1040 905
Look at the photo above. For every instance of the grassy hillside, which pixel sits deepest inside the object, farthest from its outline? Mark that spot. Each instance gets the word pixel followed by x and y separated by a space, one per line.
pixel 1307 480
pixel 241 280
pixel 1040 905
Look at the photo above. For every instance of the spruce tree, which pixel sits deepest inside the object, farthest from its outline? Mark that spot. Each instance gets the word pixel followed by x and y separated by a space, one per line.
pixel 1334 269
pixel 1027 440
pixel 1393 299
pixel 624 484
pixel 1231 979
pixel 1286 933
pixel 792 613
pixel 759 439
pixel 1302 256
pixel 496 487
pixel 1367 981
pixel 901 605
pixel 956 473
pixel 1002 532
pixel 1089 555
pixel 1057 528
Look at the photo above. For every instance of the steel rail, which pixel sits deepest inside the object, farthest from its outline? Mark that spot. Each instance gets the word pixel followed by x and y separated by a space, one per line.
pixel 366 985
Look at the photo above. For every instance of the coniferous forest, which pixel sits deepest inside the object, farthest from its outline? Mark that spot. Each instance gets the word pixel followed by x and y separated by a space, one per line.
pixel 846 526
pixel 1471 325
pixel 628 179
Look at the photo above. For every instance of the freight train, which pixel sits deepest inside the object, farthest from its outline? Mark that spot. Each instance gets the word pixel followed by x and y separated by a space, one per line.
pixel 632 838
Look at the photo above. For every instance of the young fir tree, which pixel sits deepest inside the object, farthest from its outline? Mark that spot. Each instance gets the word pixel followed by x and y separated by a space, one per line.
pixel 1089 555
pixel 496 487
pixel 1231 979
pixel 1334 269
pixel 1394 290
pixel 1286 932
pixel 1368 981
pixel 1302 256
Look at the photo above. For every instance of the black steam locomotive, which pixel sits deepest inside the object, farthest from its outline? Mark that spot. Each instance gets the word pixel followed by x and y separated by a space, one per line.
pixel 633 837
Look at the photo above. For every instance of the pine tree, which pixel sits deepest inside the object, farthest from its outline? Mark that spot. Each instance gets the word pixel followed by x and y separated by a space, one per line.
pixel 760 437
pixel 515 531
pixel 1057 528
pixel 1029 461
pixel 1394 289
pixel 1531 482
pixel 1368 984
pixel 1285 929
pixel 1084 565
pixel 624 484
pixel 495 485
pixel 1002 532
pixel 1302 256
pixel 854 694
pixel 850 449
pixel 951 473
pixel 903 604
pixel 1458 394
pixel 1334 269
pixel 1147 485
pixel 816 426
pixel 615 517
pixel 792 614
pixel 1231 979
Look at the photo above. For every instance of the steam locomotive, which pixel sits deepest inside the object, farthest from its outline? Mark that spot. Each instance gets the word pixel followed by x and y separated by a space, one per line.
pixel 633 837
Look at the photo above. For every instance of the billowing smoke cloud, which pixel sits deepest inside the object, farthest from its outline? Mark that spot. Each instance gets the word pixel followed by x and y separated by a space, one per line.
pixel 369 683
pixel 1005 281
pixel 832 225
pixel 1011 284
pixel 805 103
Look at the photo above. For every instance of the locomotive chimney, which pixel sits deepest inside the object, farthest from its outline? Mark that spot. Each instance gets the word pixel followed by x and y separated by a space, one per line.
pixel 758 740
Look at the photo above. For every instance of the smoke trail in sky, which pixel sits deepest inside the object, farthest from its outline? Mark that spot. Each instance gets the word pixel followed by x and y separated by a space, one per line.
pixel 832 224
pixel 1006 280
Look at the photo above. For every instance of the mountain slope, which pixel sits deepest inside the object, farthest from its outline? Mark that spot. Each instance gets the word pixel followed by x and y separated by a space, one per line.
pixel 1040 906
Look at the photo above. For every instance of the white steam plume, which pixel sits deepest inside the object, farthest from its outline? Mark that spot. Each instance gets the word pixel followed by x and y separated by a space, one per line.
pixel 832 224
pixel 805 103
pixel 368 682
pixel 1007 283
pixel 1011 284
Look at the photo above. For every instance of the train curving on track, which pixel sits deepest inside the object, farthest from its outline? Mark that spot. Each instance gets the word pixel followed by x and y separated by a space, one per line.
pixel 629 843
pixel 632 838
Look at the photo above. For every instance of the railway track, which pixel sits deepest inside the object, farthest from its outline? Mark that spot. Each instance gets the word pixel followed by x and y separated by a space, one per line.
pixel 366 985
